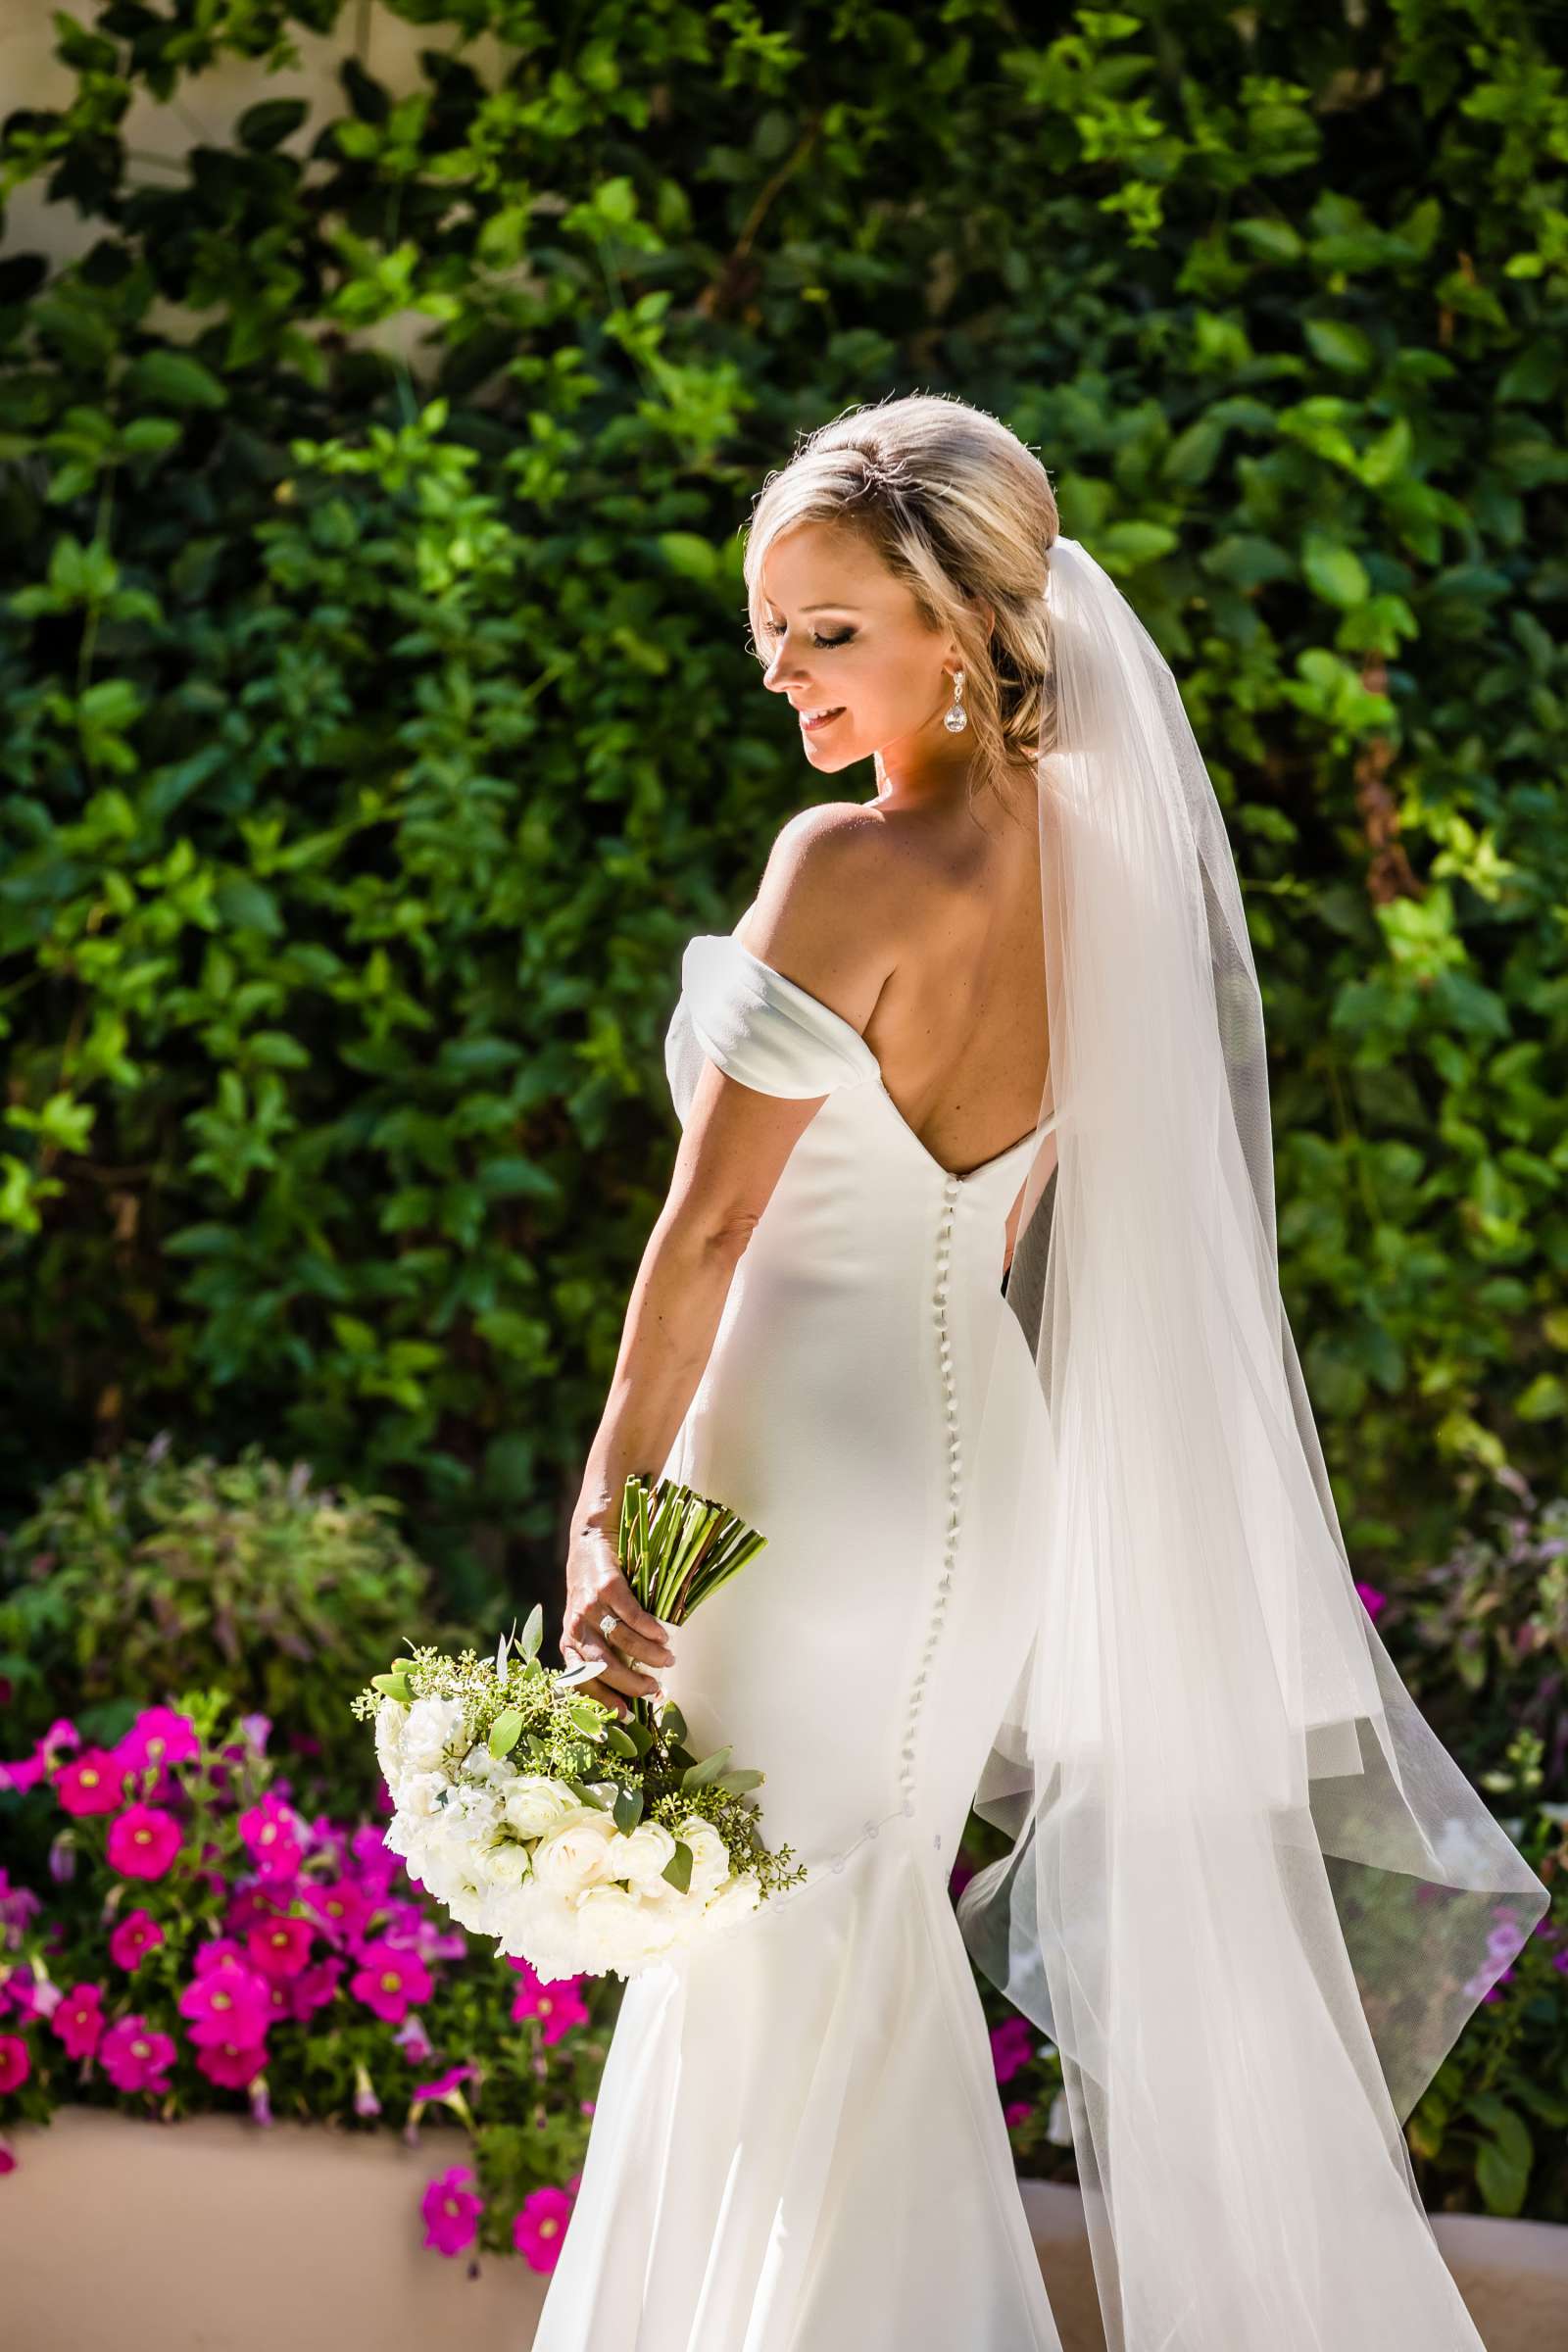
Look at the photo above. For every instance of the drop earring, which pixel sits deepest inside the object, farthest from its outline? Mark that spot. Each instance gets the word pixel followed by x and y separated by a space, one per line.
pixel 956 718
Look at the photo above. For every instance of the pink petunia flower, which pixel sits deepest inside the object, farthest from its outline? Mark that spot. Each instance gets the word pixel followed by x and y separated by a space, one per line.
pixel 555 2001
pixel 93 1783
pixel 219 1951
pixel 25 1774
pixel 15 2063
pixel 279 1947
pixel 313 1987
pixel 341 1908
pixel 233 2064
pixel 136 2056
pixel 1017 2111
pixel 159 1736
pixel 143 1842
pixel 79 2020
pixel 133 1937
pixel 539 2230
pixel 232 2004
pixel 413 2042
pixel 390 1981
pixel 1372 1600
pixel 1011 2044
pixel 451 2210
pixel 272 1833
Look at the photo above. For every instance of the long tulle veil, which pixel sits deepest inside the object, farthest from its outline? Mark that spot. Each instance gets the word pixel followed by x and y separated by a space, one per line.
pixel 1249 1894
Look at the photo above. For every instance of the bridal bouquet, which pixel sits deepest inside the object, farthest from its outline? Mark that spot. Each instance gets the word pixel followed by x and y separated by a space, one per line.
pixel 584 1844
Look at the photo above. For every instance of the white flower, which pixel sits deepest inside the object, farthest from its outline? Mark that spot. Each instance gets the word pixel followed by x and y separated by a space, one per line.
pixel 506 1865
pixel 640 1856
pixel 709 1855
pixel 534 1804
pixel 481 1766
pixel 418 1793
pixel 612 1928
pixel 433 1726
pixel 571 1856
pixel 739 1894
pixel 390 1717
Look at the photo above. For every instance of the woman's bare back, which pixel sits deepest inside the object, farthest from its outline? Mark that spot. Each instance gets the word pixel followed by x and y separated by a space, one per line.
pixel 960 1028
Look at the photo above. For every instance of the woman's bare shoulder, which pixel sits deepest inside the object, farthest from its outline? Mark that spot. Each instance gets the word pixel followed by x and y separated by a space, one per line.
pixel 823 913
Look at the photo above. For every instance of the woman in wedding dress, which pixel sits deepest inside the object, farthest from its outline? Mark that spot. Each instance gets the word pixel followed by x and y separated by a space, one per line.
pixel 1047 1533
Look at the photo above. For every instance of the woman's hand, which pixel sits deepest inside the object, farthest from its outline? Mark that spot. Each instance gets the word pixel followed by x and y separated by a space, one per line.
pixel 595 1583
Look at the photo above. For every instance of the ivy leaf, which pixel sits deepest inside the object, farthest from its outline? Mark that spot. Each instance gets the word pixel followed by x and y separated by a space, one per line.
pixel 175 379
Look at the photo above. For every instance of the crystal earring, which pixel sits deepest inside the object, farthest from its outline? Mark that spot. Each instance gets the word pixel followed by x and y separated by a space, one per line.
pixel 956 718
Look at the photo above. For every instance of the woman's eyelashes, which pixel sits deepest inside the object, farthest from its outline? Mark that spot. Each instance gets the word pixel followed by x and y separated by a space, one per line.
pixel 823 643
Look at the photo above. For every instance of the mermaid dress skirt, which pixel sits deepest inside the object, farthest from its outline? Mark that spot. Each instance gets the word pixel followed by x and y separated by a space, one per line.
pixel 798 2143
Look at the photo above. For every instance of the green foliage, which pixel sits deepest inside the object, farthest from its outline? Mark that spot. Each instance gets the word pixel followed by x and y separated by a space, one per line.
pixel 144 1573
pixel 376 733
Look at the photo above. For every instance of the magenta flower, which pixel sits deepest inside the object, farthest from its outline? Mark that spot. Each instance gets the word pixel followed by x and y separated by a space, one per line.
pixel 442 2084
pixel 233 2064
pixel 158 1736
pixel 279 1947
pixel 313 1987
pixel 1372 1600
pixel 390 1980
pixel 143 1842
pixel 220 1951
pixel 136 1935
pixel 272 1832
pixel 24 1772
pixel 555 2001
pixel 93 1783
pixel 540 2227
pixel 135 2056
pixel 1011 2044
pixel 341 1908
pixel 79 2020
pixel 413 2042
pixel 451 2211
pixel 230 2004
pixel 62 1734
pixel 15 2063
pixel 1017 2111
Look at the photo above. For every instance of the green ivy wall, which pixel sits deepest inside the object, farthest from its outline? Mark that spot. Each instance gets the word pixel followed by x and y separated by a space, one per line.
pixel 380 715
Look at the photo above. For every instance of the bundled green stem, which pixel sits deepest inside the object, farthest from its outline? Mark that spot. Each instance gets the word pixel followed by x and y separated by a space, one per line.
pixel 676 1546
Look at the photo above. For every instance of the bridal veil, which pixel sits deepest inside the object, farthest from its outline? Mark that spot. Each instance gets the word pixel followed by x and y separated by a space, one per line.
pixel 1249 1896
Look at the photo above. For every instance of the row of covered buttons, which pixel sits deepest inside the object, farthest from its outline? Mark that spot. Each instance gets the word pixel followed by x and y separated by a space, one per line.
pixel 954 1467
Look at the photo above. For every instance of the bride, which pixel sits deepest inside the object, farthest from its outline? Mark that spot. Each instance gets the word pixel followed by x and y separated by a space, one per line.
pixel 966 1295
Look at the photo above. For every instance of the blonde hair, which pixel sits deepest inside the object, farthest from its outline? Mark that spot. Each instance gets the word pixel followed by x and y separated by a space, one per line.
pixel 962 513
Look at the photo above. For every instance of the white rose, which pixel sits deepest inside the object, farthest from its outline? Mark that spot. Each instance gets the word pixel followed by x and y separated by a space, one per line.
pixel 613 1928
pixel 433 1726
pixel 572 1854
pixel 640 1858
pixel 534 1804
pixel 710 1853
pixel 506 1865
pixel 738 1895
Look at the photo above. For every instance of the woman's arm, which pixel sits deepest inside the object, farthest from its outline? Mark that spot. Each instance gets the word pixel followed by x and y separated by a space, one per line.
pixel 733 1149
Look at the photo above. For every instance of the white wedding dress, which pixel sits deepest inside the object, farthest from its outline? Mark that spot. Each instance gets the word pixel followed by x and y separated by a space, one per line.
pixel 797 2144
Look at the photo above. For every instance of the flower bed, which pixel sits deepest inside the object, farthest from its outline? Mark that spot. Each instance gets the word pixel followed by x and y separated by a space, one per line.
pixel 203 1948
